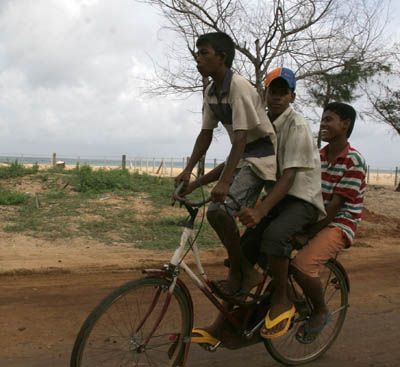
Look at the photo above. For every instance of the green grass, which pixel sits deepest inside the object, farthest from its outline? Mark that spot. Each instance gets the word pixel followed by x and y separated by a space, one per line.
pixel 12 197
pixel 85 179
pixel 98 204
pixel 16 169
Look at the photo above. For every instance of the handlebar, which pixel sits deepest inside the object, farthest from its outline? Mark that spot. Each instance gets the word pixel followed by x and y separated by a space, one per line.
pixel 198 204
pixel 194 204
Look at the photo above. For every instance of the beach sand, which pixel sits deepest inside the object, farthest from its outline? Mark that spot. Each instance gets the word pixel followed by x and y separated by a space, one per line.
pixel 374 177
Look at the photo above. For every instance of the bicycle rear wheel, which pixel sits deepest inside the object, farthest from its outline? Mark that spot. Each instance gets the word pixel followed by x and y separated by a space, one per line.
pixel 119 331
pixel 287 349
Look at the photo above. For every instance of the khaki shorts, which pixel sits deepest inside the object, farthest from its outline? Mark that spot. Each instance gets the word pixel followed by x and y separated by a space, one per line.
pixel 246 188
pixel 324 246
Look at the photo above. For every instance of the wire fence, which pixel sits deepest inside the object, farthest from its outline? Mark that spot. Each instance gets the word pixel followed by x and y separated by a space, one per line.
pixel 166 167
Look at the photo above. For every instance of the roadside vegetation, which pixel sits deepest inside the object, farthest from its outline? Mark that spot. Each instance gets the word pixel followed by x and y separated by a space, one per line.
pixel 109 206
pixel 15 169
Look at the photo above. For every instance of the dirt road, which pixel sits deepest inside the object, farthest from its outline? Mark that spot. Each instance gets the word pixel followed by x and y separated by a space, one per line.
pixel 40 315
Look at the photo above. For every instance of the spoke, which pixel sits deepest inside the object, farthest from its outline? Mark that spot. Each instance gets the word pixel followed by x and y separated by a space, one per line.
pixel 112 341
pixel 338 310
pixel 331 295
pixel 113 324
pixel 128 308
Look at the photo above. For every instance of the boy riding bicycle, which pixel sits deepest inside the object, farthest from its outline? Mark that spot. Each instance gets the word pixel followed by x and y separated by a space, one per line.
pixel 343 187
pixel 233 101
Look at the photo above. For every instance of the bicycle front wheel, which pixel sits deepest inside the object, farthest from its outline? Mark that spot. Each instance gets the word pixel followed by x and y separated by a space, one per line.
pixel 287 349
pixel 139 324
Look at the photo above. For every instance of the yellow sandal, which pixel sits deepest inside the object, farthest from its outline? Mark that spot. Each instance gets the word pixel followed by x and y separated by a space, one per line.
pixel 204 338
pixel 269 324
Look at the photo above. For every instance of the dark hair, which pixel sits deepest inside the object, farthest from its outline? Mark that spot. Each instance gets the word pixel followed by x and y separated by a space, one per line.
pixel 345 112
pixel 221 43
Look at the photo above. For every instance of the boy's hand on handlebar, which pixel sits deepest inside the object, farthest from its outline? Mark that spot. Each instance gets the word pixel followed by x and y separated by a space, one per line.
pixel 191 187
pixel 250 217
pixel 184 177
pixel 219 192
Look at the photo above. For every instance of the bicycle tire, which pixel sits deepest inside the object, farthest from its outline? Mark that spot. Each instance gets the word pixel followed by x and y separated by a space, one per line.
pixel 111 336
pixel 286 349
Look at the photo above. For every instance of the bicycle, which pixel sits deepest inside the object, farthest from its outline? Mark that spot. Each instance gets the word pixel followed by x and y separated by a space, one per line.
pixel 148 322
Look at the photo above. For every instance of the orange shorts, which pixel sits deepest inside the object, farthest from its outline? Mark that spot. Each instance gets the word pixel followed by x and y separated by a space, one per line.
pixel 323 246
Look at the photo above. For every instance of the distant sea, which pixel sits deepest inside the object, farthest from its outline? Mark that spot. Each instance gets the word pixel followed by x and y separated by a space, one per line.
pixel 116 161
pixel 103 162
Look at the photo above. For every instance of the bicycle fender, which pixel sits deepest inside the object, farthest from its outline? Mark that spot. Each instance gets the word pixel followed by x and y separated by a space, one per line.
pixel 343 271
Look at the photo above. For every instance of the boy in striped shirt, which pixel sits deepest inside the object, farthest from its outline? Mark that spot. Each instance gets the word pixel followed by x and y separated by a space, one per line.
pixel 343 171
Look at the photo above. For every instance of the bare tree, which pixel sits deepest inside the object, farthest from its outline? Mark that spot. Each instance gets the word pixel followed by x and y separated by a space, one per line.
pixel 385 98
pixel 313 37
pixel 387 108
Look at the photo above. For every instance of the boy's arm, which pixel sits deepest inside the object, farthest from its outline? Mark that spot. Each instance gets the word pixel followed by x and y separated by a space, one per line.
pixel 201 145
pixel 331 210
pixel 348 188
pixel 209 177
pixel 221 189
pixel 252 216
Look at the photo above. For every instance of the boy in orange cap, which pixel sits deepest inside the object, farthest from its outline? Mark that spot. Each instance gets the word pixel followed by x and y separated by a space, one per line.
pixel 294 202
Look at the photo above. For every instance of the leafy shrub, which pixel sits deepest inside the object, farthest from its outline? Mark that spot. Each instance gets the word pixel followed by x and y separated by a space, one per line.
pixel 16 169
pixel 12 197
pixel 85 179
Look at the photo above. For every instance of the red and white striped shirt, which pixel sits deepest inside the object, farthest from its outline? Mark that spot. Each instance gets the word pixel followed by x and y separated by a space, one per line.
pixel 345 177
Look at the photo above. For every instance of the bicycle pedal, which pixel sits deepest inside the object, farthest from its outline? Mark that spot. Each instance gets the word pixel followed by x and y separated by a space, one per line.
pixel 211 348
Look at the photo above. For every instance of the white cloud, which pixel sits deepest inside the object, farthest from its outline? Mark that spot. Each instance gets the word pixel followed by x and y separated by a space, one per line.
pixel 71 76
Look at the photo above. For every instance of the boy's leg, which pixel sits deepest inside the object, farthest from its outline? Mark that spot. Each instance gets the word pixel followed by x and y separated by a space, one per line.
pixel 226 228
pixel 294 215
pixel 308 263
pixel 245 189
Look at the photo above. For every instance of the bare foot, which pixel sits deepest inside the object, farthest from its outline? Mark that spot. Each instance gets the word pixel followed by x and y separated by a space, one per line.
pixel 310 330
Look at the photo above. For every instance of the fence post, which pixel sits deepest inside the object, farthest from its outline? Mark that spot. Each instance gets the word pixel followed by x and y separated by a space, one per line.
pixel 123 161
pixel 54 160
pixel 396 172
pixel 160 167
pixel 368 174
pixel 172 165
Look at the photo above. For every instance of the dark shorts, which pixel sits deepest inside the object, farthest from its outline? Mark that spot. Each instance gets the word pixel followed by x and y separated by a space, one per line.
pixel 271 237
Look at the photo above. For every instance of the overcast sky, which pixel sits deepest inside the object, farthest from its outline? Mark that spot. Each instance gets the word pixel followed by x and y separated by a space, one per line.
pixel 71 82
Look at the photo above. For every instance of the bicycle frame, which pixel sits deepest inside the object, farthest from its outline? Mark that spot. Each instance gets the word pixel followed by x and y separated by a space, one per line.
pixel 171 271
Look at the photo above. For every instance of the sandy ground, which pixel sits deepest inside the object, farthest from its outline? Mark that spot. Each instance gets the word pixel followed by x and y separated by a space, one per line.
pixel 375 176
pixel 40 315
pixel 47 290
